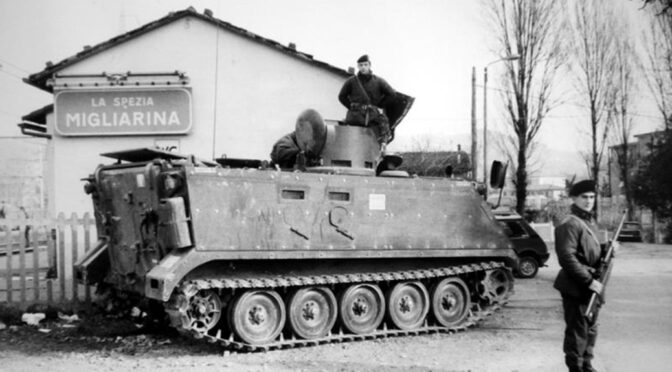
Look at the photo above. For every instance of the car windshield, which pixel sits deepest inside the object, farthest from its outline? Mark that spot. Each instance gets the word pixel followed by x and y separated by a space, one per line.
pixel 513 229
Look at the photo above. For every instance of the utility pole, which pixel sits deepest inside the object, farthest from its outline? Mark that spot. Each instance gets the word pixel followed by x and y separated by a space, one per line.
pixel 485 129
pixel 485 118
pixel 473 123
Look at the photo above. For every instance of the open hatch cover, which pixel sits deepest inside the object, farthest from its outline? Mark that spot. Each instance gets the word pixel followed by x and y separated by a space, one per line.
pixel 149 154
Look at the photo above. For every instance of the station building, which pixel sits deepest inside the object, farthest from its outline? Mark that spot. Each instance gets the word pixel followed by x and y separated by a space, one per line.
pixel 188 83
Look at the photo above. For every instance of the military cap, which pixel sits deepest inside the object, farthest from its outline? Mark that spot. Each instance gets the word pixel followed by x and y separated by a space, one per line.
pixel 581 187
pixel 364 58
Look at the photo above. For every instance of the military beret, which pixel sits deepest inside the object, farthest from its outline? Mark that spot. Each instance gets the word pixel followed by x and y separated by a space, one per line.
pixel 364 58
pixel 581 187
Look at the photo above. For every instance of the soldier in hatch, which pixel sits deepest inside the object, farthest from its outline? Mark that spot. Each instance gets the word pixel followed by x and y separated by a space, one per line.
pixel 303 146
pixel 365 95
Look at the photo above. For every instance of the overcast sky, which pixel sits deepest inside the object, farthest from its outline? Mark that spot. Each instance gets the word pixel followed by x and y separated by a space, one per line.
pixel 423 48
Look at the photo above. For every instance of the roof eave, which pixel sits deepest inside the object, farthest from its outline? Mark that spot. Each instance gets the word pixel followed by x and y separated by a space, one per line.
pixel 39 79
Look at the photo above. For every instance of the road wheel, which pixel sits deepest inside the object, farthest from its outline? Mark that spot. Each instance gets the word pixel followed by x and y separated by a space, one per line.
pixel 407 305
pixel 450 302
pixel 496 285
pixel 361 308
pixel 528 267
pixel 257 316
pixel 312 312
pixel 204 311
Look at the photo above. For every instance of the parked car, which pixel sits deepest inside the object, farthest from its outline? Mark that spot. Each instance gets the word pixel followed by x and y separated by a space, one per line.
pixel 529 246
pixel 631 232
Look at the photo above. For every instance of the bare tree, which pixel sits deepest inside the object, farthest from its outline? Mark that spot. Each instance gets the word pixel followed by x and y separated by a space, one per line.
pixel 664 7
pixel 623 89
pixel 531 30
pixel 508 145
pixel 594 50
pixel 652 186
pixel 656 65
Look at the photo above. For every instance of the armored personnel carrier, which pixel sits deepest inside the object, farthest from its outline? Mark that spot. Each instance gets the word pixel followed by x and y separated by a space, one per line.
pixel 256 257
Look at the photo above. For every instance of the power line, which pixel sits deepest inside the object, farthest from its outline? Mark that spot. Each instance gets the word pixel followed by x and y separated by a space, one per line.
pixel 15 66
pixel 566 116
pixel 11 74
pixel 646 115
pixel 633 113
pixel 441 118
pixel 496 89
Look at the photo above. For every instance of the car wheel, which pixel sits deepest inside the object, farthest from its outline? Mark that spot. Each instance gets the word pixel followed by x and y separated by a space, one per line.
pixel 528 267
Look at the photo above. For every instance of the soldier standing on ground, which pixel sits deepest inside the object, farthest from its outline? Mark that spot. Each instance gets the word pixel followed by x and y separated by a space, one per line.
pixel 579 251
pixel 365 95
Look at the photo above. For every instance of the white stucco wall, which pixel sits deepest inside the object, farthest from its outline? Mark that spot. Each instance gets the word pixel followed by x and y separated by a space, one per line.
pixel 245 96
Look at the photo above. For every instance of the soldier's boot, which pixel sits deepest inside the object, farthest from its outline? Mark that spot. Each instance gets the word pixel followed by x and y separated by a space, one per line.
pixel 587 365
pixel 382 128
pixel 385 133
pixel 573 363
pixel 590 345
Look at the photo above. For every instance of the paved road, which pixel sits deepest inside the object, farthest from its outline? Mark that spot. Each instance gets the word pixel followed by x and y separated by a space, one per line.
pixel 637 320
pixel 635 335
pixel 635 324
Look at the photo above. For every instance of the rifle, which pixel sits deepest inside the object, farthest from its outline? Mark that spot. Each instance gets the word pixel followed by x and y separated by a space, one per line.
pixel 603 271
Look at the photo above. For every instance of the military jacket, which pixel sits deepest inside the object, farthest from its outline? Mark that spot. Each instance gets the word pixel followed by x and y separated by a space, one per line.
pixel 285 152
pixel 377 89
pixel 578 251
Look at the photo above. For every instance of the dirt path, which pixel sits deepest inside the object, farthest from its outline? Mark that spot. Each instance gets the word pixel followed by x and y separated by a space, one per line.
pixel 635 334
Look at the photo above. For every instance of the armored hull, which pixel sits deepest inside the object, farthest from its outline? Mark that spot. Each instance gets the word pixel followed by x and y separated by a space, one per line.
pixel 258 258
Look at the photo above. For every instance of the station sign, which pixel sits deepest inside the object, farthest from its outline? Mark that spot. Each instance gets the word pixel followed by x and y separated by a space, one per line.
pixel 123 111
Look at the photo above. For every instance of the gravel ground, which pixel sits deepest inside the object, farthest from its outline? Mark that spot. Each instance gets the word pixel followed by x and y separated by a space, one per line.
pixel 526 335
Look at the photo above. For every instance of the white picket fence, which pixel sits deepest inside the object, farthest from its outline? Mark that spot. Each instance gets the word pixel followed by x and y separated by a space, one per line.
pixel 37 257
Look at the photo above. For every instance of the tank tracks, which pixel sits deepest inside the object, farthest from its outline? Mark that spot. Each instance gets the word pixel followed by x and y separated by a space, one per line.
pixel 175 307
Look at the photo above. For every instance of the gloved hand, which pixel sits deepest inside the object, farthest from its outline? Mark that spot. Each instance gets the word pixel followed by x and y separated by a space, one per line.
pixel 596 286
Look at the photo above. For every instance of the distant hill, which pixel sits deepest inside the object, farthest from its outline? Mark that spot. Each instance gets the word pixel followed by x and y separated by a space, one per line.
pixel 554 162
